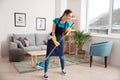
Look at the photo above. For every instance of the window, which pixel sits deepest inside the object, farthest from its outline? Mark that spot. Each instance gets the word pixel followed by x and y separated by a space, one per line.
pixel 116 17
pixel 98 16
pixel 103 16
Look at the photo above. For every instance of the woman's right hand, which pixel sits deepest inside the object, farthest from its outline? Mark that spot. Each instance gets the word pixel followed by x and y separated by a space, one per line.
pixel 68 30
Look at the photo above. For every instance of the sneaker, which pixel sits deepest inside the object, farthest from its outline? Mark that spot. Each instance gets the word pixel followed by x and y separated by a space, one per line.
pixel 63 72
pixel 45 76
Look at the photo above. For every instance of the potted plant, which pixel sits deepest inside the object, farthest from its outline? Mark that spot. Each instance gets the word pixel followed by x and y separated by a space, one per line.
pixel 80 39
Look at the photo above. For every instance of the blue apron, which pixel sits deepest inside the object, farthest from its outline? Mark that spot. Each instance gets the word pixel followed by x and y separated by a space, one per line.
pixel 59 51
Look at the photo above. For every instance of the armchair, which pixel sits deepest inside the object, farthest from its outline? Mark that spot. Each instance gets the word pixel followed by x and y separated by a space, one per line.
pixel 102 49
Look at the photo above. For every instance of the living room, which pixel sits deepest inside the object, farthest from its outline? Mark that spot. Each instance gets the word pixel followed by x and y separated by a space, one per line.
pixel 48 10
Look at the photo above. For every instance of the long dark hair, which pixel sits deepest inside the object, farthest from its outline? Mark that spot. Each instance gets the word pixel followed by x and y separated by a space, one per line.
pixel 67 11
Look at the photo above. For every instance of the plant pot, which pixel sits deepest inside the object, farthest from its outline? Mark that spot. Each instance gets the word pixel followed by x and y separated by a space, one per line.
pixel 81 53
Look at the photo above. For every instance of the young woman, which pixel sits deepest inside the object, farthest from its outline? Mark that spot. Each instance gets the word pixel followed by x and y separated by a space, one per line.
pixel 60 26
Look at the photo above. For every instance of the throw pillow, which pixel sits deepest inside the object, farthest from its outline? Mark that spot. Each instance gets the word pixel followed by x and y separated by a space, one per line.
pixel 26 42
pixel 20 45
pixel 45 42
pixel 22 41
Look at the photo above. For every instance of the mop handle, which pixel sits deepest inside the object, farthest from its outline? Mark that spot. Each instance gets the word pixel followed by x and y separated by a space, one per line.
pixel 53 49
pixel 59 42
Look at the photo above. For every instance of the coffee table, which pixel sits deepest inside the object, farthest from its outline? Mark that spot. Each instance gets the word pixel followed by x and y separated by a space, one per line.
pixel 34 55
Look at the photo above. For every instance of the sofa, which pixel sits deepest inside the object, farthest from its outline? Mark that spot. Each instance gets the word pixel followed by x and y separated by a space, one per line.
pixel 33 41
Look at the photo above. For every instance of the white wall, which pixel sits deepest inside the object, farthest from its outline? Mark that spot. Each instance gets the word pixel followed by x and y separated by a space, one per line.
pixel 57 8
pixel 63 6
pixel 32 8
pixel 75 6
pixel 0 50
pixel 83 18
pixel 60 7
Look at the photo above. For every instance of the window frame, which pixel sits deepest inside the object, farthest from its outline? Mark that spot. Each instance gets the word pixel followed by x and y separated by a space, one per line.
pixel 110 34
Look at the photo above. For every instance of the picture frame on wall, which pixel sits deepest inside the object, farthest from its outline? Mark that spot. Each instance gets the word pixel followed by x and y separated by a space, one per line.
pixel 40 23
pixel 20 19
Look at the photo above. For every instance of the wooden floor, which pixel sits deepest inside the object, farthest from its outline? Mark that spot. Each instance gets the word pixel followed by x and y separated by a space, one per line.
pixel 74 72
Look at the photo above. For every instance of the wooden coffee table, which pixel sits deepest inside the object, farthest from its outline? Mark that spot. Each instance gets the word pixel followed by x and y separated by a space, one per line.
pixel 34 55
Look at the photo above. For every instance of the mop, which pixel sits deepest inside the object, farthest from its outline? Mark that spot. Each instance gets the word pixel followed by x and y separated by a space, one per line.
pixel 42 64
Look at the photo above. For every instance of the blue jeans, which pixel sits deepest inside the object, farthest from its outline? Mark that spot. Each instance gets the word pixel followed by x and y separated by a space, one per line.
pixel 47 63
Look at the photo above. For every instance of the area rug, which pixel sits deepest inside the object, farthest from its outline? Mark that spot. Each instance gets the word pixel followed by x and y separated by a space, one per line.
pixel 25 65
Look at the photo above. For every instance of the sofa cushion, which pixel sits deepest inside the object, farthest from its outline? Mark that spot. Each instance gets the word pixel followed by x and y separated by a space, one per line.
pixel 35 48
pixel 40 38
pixel 30 38
pixel 32 48
pixel 43 47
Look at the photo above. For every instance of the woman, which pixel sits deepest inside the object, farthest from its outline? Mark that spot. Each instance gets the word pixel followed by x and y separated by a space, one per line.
pixel 60 26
